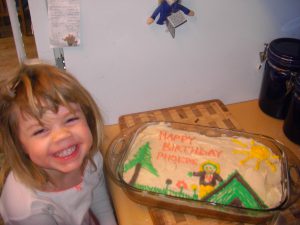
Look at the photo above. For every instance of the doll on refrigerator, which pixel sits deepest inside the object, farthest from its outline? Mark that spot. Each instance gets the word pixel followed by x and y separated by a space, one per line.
pixel 165 9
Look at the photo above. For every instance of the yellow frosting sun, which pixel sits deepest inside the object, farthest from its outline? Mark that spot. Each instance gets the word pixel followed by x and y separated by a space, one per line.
pixel 255 151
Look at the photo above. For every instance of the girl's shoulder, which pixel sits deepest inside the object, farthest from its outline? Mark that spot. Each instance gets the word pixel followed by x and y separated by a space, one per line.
pixel 16 198
pixel 98 158
pixel 98 162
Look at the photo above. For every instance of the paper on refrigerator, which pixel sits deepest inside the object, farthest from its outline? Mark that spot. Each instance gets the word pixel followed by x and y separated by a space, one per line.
pixel 64 23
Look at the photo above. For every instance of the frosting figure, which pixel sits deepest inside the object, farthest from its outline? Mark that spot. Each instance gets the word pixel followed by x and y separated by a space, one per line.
pixel 209 175
pixel 165 8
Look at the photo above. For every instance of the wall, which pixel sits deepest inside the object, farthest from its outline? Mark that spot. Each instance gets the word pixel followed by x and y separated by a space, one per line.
pixel 129 66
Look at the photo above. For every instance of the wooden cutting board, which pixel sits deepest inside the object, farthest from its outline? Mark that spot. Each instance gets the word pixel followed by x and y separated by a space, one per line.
pixel 208 113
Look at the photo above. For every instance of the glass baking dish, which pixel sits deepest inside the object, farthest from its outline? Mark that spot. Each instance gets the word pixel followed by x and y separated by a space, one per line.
pixel 120 158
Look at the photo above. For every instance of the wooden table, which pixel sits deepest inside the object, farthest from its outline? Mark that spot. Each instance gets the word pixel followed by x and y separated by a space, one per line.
pixel 248 116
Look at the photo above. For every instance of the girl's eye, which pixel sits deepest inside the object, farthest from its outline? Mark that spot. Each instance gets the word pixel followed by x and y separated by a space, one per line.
pixel 72 119
pixel 39 131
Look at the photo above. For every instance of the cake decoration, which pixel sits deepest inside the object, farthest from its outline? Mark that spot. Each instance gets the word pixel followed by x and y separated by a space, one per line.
pixel 142 159
pixel 208 177
pixel 181 185
pixel 256 151
pixel 190 165
pixel 235 191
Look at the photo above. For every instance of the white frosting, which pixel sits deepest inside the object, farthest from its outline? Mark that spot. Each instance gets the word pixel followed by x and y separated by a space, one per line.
pixel 176 153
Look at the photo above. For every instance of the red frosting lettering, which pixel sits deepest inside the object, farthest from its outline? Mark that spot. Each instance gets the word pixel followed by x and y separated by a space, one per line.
pixel 166 136
pixel 176 158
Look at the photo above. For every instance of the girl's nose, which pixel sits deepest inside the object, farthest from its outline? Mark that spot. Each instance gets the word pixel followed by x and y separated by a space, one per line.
pixel 60 133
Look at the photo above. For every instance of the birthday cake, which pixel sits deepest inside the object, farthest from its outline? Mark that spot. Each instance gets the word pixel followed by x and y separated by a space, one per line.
pixel 236 171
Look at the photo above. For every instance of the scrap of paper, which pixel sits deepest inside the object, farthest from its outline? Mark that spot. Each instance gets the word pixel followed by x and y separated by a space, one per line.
pixel 64 23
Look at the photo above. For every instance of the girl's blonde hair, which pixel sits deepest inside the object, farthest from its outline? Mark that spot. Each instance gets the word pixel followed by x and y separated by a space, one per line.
pixel 33 90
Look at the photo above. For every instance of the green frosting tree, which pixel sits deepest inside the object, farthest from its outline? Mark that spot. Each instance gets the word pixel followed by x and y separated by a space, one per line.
pixel 142 159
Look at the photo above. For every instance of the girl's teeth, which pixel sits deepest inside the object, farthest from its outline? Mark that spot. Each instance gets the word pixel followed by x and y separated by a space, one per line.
pixel 66 152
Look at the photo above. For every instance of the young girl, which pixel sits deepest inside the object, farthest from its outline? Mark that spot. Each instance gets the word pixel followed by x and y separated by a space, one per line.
pixel 51 133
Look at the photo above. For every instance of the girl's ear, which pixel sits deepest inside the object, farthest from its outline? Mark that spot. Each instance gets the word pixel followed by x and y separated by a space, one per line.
pixel 20 146
pixel 24 151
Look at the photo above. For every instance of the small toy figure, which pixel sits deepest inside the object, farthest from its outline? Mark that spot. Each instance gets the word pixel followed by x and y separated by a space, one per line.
pixel 209 175
pixel 165 8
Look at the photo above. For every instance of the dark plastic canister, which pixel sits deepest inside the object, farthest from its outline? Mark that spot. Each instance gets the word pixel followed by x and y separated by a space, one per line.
pixel 291 125
pixel 282 66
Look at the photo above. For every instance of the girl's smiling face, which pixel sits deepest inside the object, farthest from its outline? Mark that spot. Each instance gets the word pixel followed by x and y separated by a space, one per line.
pixel 58 145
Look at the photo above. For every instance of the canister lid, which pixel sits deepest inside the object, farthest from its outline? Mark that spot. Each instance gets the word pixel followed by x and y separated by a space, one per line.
pixel 297 82
pixel 285 52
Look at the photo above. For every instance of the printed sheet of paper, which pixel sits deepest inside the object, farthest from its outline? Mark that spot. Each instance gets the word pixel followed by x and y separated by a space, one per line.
pixel 64 23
